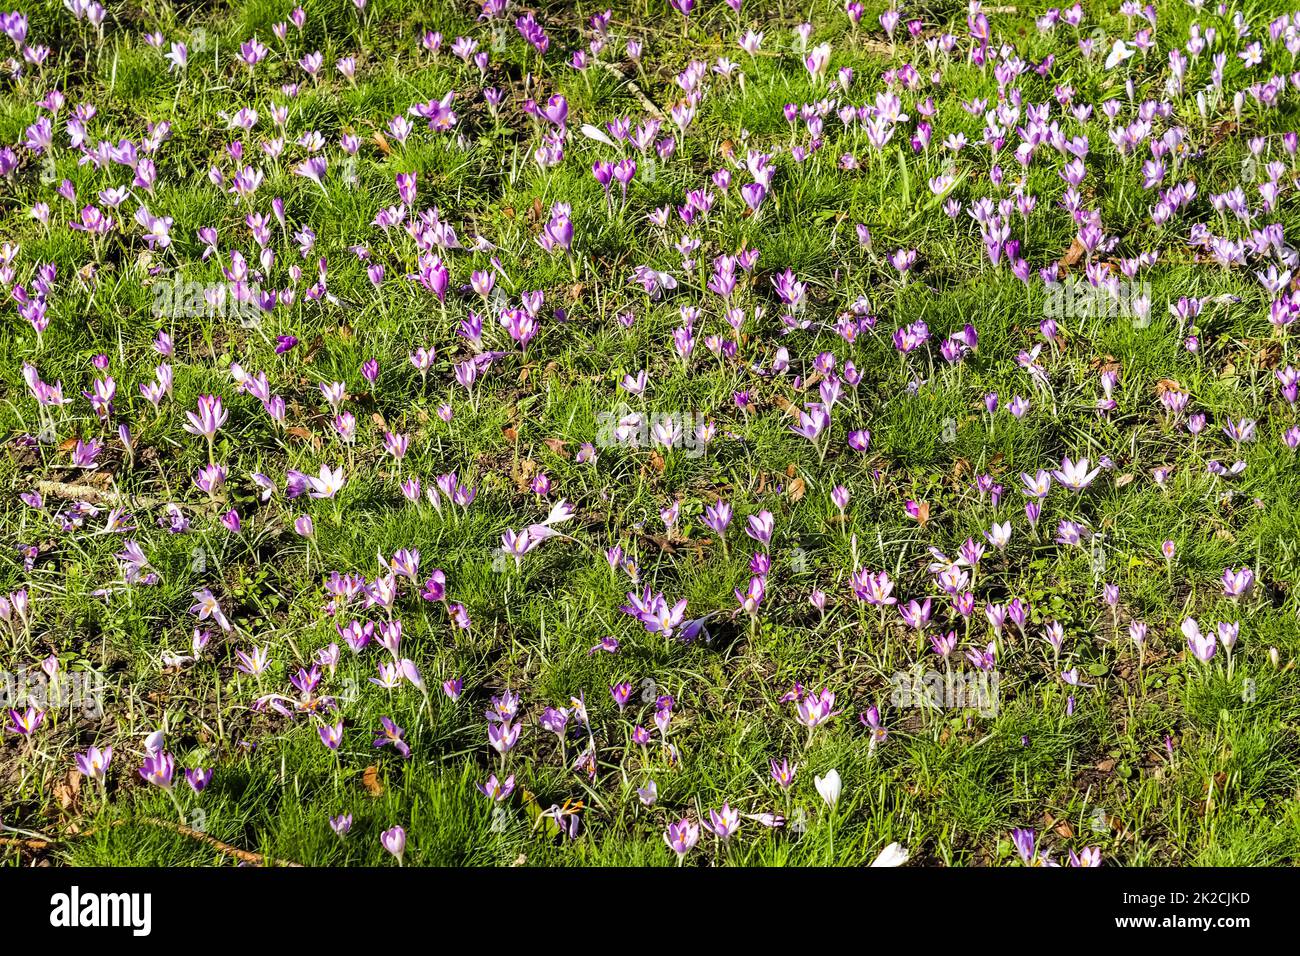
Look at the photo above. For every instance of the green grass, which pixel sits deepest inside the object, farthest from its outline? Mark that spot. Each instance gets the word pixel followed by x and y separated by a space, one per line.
pixel 1156 759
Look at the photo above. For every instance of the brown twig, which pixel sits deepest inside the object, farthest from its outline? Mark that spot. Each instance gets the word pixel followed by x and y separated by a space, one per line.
pixel 244 856
pixel 646 103
pixel 62 490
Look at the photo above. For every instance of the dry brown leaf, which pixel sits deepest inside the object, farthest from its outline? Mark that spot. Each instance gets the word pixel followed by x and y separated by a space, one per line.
pixel 380 140
pixel 657 462
pixel 370 780
pixel 304 435
pixel 556 445
pixel 510 434
pixel 523 475
pixel 1222 130
pixel 786 406
pixel 67 790
pixel 1073 254
pixel 797 489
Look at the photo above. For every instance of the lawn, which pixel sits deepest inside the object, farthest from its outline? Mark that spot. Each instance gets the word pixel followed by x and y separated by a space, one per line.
pixel 716 433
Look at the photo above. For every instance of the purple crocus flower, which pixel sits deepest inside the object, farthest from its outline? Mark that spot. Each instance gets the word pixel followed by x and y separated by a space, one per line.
pixel 681 837
pixel 394 841
pixel 94 763
pixel 392 734
pixel 158 769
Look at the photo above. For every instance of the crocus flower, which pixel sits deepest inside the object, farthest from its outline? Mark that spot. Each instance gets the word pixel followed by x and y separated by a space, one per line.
pixel 722 823
pixel 25 722
pixel 394 841
pixel 392 734
pixel 328 484
pixel 829 787
pixel 497 791
pixel 1075 475
pixel 94 763
pixel 1201 645
pixel 893 855
pixel 1237 584
pixel 158 770
pixel 331 735
pixel 681 837
pixel 783 773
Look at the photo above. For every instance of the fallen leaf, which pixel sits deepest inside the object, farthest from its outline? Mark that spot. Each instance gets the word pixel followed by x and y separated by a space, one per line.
pixel 1073 254
pixel 786 406
pixel 370 780
pixel 66 790
pixel 523 475
pixel 797 489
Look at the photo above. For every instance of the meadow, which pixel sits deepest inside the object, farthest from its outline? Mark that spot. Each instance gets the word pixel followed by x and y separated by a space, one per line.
pixel 746 433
